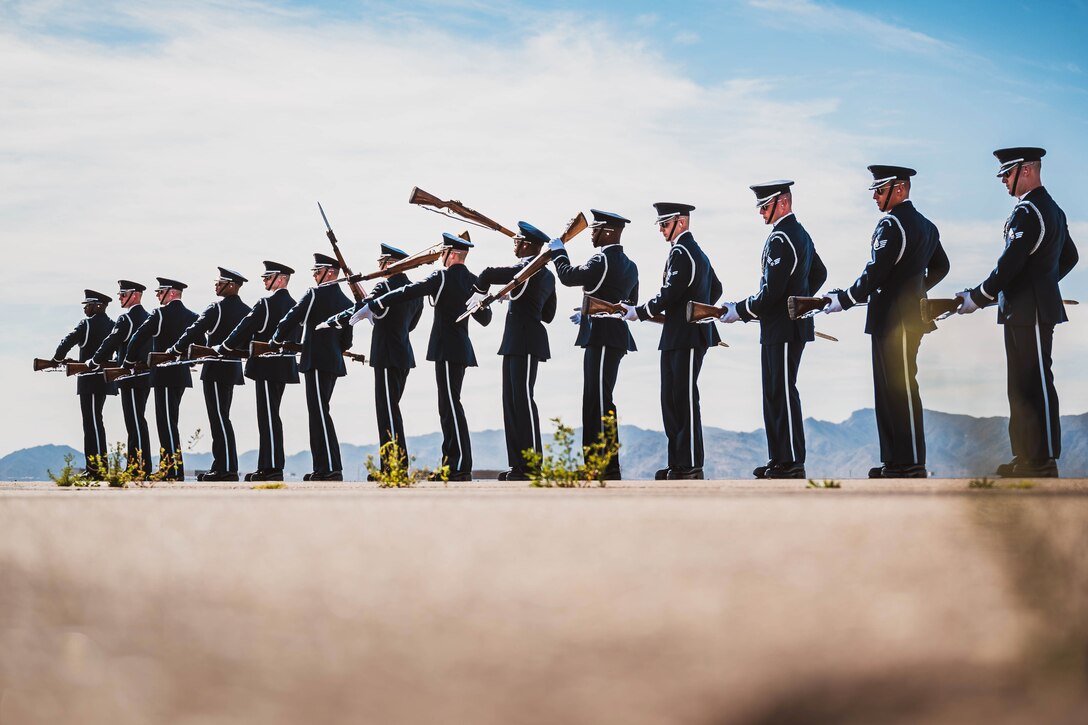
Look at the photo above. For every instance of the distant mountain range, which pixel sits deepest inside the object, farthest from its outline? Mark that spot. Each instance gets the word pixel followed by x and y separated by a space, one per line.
pixel 958 445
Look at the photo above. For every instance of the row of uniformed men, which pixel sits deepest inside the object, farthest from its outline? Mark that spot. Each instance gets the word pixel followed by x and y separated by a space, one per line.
pixel 907 260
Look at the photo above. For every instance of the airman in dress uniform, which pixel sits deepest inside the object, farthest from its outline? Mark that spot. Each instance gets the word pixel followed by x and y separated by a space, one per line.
pixel 688 277
pixel 220 375
pixel 92 389
pixel 1038 253
pixel 391 353
pixel 790 267
pixel 449 348
pixel 272 374
pixel 907 260
pixel 524 346
pixel 609 275
pixel 133 389
pixel 162 328
pixel 322 361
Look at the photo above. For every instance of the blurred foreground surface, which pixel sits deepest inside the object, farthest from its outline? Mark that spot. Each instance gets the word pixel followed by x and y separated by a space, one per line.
pixel 704 603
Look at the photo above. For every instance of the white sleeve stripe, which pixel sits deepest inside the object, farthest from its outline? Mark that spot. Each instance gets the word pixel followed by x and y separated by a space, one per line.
pixel 603 275
pixel 852 300
pixel 982 289
pixel 748 306
pixel 1042 227
pixel 441 285
pixel 903 233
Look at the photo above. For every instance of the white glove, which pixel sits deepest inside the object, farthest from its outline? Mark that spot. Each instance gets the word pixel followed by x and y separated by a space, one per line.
pixel 730 313
pixel 576 318
pixel 363 313
pixel 475 300
pixel 967 305
pixel 629 312
pixel 835 305
pixel 556 244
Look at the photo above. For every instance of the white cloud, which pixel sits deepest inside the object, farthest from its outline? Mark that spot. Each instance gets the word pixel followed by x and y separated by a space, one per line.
pixel 212 145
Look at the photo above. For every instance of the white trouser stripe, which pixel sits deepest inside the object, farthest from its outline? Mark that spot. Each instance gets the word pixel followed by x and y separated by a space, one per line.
pixel 324 425
pixel 389 407
pixel 529 398
pixel 453 412
pixel 786 388
pixel 600 384
pixel 271 431
pixel 1042 381
pixel 222 424
pixel 691 402
pixel 136 423
pixel 910 398
pixel 170 424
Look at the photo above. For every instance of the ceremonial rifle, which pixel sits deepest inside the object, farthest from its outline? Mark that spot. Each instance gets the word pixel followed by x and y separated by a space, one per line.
pixel 574 227
pixel 122 373
pixel 267 349
pixel 802 307
pixel 699 311
pixel 202 352
pixel 44 364
pixel 939 308
pixel 456 209
pixel 427 256
pixel 596 307
pixel 357 290
pixel 79 368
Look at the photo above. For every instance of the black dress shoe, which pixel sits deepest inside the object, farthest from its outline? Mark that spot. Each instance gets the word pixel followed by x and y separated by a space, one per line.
pixel 761 471
pixel 892 470
pixel 1045 468
pixel 461 476
pixel 786 470
pixel 269 475
pixel 876 472
pixel 330 476
pixel 218 476
pixel 503 475
pixel 1005 470
pixel 662 474
pixel 612 474
pixel 249 476
pixel 685 474
pixel 371 478
pixel 308 477
pixel 516 474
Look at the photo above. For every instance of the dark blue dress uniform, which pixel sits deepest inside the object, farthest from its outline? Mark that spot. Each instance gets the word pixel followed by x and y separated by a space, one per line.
pixel 219 376
pixel 391 353
pixel 524 346
pixel 790 267
pixel 322 362
pixel 688 277
pixel 162 328
pixel 271 375
pixel 907 260
pixel 134 390
pixel 449 348
pixel 91 389
pixel 609 275
pixel 1038 253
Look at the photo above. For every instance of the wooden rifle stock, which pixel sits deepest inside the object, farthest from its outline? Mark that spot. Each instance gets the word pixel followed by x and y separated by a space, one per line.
pixel 155 359
pixel 419 197
pixel 596 306
pixel 698 311
pixel 800 307
pixel 427 256
pixel 938 308
pixel 113 374
pixel 76 368
pixel 41 363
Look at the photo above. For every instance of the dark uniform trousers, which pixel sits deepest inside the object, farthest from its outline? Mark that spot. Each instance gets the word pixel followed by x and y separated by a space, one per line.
pixel 388 390
pixel 270 456
pixel 1034 427
pixel 520 416
pixel 456 446
pixel 134 407
pixel 167 408
pixel 782 417
pixel 324 446
pixel 680 406
pixel 218 397
pixel 94 431
pixel 600 370
pixel 897 401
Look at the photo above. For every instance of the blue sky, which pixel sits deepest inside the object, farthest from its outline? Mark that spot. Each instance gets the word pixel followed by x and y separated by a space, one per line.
pixel 143 139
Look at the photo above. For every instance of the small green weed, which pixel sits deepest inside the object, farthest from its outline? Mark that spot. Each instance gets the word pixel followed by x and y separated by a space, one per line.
pixel 395 470
pixel 562 467
pixel 826 483
pixel 1021 485
pixel 981 483
pixel 69 476
pixel 269 486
